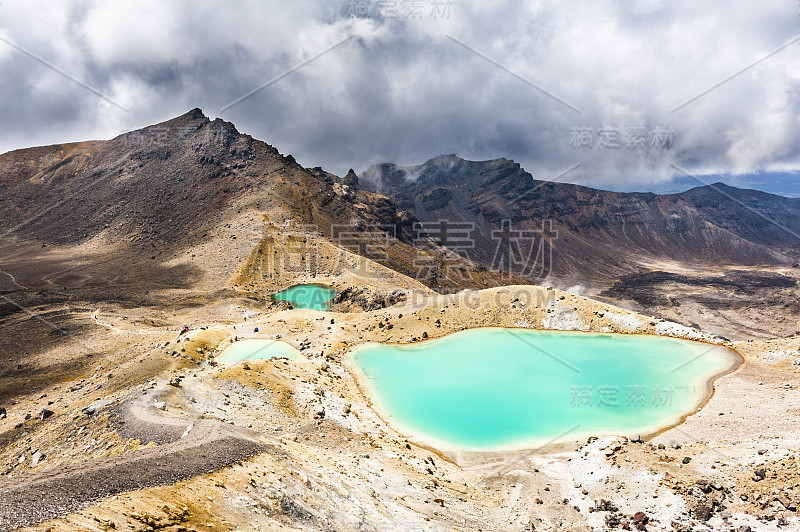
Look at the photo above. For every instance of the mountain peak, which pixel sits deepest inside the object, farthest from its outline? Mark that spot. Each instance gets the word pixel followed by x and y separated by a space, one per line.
pixel 194 115
pixel 351 179
pixel 453 158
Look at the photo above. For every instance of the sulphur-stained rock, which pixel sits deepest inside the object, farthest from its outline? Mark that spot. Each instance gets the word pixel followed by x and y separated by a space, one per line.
pixel 105 524
pixel 704 485
pixel 786 502
pixel 682 527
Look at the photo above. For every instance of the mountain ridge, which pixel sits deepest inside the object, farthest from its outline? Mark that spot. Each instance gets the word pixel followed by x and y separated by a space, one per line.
pixel 602 234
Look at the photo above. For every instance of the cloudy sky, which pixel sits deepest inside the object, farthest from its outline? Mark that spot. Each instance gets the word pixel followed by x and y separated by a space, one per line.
pixel 636 91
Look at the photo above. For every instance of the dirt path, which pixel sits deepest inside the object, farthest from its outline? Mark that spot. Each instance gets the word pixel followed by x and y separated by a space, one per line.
pixel 103 324
pixel 188 448
pixel 14 280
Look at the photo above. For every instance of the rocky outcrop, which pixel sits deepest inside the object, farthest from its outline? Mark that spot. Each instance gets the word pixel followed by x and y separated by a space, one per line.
pixel 350 180
pixel 366 299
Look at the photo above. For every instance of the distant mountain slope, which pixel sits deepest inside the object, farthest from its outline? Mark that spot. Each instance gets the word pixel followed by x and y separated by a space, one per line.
pixel 601 234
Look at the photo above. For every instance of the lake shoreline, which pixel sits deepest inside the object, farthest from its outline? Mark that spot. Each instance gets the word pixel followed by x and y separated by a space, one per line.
pixel 370 395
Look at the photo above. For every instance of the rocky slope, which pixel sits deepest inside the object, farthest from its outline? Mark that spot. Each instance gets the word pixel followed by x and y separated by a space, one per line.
pixel 157 192
pixel 600 234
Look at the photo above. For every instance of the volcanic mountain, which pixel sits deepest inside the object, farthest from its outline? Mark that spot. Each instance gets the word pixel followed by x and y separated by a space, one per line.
pixel 159 194
pixel 595 234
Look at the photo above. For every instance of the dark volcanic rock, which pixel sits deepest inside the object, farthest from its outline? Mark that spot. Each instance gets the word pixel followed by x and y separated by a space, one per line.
pixel 351 180
pixel 639 520
pixel 436 198
pixel 702 512
pixel 366 299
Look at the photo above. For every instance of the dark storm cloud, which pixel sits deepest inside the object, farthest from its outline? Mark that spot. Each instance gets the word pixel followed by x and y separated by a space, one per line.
pixel 482 80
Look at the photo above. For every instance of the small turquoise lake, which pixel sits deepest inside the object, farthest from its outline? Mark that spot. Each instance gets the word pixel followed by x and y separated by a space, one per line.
pixel 255 349
pixel 494 389
pixel 307 296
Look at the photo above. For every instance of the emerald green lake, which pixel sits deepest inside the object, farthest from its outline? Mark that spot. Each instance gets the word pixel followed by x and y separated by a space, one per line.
pixel 493 388
pixel 307 296
pixel 258 350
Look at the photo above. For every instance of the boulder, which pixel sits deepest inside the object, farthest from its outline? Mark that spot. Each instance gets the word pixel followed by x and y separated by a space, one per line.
pixel 96 406
pixel 702 512
pixel 604 505
pixel 36 458
pixel 640 519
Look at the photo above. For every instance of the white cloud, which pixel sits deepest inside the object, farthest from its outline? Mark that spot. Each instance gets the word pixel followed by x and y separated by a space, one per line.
pixel 401 91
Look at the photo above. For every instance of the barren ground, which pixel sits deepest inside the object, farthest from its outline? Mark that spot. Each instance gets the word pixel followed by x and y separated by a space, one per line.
pixel 318 456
